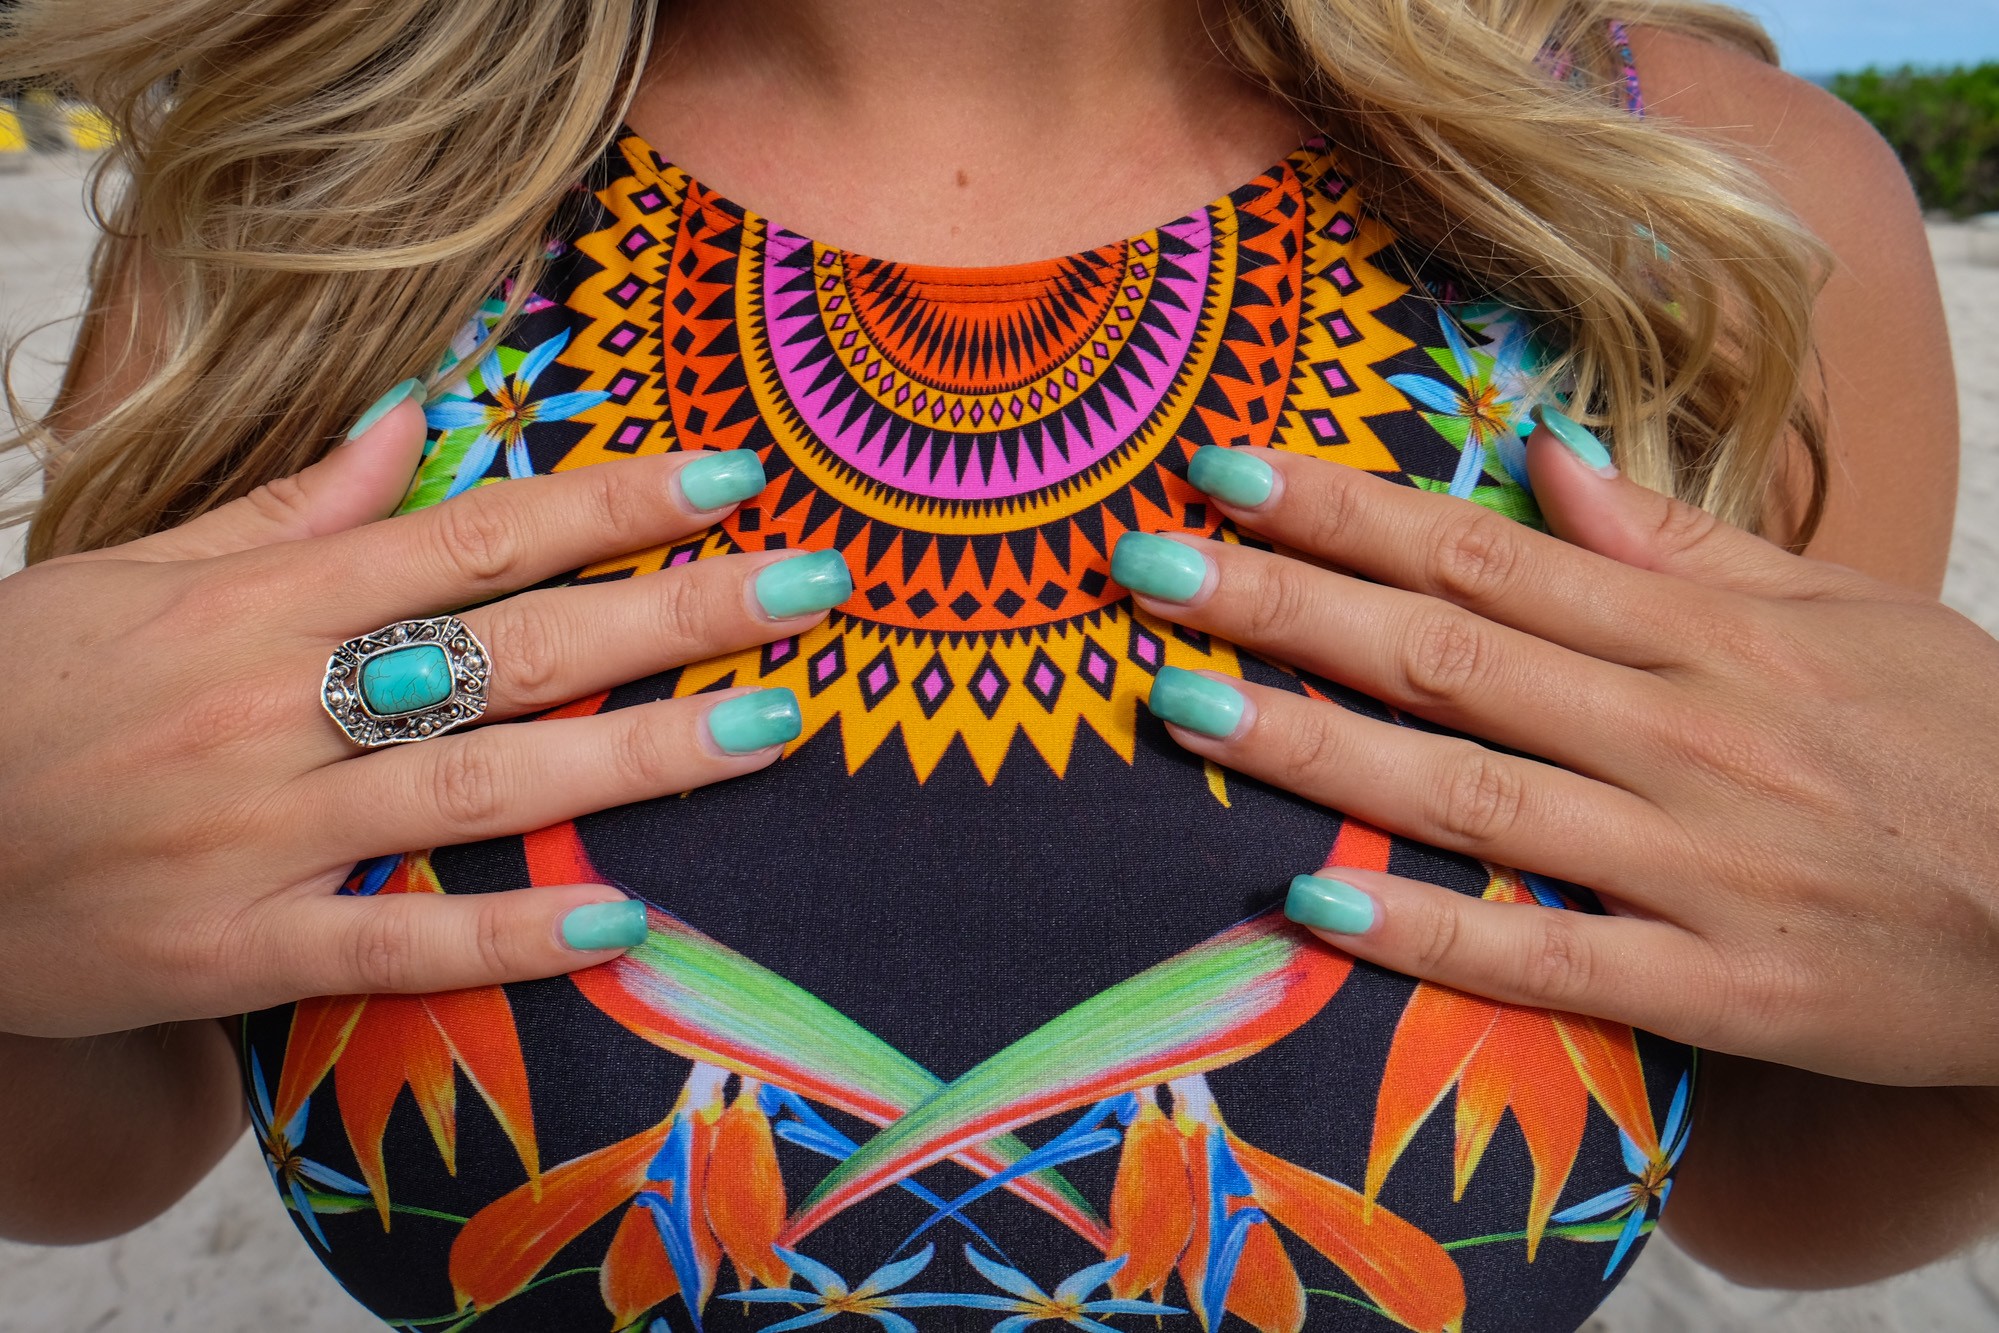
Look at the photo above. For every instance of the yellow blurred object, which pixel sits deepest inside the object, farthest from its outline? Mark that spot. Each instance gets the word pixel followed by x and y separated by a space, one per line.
pixel 13 139
pixel 89 129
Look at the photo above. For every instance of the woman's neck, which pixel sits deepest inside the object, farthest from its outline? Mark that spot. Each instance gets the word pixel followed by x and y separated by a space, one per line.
pixel 955 132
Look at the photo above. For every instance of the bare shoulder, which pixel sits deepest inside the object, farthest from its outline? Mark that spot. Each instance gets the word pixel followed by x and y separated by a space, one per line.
pixel 1884 350
pixel 1717 89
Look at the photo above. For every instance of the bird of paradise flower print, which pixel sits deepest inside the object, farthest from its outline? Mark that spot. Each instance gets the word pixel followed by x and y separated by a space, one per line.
pixel 1543 1067
pixel 1191 1202
pixel 374 1046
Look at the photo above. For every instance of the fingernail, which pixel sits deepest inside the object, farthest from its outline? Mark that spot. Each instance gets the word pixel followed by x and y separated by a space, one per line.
pixel 716 479
pixel 1196 702
pixel 1587 448
pixel 383 406
pixel 619 925
pixel 752 722
pixel 1168 570
pixel 1233 475
pixel 804 584
pixel 1329 904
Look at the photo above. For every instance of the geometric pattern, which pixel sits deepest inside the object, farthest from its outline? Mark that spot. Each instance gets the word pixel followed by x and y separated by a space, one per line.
pixel 974 441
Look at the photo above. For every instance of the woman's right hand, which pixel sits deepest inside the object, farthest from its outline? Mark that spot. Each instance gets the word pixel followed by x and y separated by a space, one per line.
pixel 179 808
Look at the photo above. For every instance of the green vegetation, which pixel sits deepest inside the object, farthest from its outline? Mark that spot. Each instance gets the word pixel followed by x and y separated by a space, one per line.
pixel 1944 124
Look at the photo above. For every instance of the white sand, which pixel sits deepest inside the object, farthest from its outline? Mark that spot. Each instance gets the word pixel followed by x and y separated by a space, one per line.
pixel 226 1259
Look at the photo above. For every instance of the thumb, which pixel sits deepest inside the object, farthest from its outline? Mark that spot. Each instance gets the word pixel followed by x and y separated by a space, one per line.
pixel 360 480
pixel 419 943
pixel 1589 503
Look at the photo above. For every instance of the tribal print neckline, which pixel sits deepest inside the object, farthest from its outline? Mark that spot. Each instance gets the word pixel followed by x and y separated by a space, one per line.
pixel 974 441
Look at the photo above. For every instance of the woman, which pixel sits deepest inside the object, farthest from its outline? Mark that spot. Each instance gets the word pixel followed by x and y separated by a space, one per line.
pixel 985 893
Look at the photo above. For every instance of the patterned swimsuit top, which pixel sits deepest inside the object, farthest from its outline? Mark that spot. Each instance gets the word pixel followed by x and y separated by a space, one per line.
pixel 978 1011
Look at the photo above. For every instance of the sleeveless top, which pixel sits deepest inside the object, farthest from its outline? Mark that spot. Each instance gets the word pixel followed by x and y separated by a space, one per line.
pixel 978 1010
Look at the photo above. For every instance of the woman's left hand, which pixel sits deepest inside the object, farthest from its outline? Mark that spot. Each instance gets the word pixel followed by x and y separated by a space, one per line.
pixel 1781 776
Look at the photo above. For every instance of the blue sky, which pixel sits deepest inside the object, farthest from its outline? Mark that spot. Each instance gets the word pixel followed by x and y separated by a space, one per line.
pixel 1827 36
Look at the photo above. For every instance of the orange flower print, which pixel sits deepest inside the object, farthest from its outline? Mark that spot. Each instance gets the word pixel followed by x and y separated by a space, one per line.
pixel 699 1187
pixel 1192 1197
pixel 1544 1067
pixel 376 1045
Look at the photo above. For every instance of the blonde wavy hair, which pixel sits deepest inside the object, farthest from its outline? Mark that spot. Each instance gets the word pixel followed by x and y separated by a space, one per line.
pixel 323 193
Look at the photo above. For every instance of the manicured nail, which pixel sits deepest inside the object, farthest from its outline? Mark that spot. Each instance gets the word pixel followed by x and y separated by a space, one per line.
pixel 804 584
pixel 752 722
pixel 619 925
pixel 1235 476
pixel 1158 567
pixel 1577 440
pixel 1188 699
pixel 384 405
pixel 717 479
pixel 1329 904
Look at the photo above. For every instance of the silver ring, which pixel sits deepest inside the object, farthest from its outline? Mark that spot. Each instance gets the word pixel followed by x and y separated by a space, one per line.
pixel 407 682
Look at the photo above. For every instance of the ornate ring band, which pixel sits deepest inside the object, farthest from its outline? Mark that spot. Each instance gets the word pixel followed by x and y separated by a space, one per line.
pixel 407 682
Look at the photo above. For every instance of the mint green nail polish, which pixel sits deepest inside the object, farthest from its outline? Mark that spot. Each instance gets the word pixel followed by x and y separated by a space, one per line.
pixel 752 722
pixel 1195 702
pixel 1234 476
pixel 1158 568
pixel 717 479
pixel 605 925
pixel 804 584
pixel 1329 904
pixel 385 405
pixel 1576 439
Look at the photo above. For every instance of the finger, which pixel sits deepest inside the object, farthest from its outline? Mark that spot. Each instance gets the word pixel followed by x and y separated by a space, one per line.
pixel 1441 790
pixel 1412 652
pixel 1589 503
pixel 1646 974
pixel 512 534
pixel 429 942
pixel 513 778
pixel 359 481
pixel 556 644
pixel 1461 553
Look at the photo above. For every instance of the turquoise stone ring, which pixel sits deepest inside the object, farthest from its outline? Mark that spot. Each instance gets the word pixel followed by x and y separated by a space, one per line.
pixel 407 682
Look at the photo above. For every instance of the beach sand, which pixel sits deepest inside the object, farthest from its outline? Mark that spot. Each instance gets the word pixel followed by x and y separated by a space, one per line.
pixel 226 1259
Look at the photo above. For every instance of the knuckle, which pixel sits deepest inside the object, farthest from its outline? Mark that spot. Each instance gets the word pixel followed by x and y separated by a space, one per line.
pixel 492 942
pixel 1480 798
pixel 1282 603
pixel 1335 510
pixel 1445 656
pixel 478 539
pixel 280 502
pixel 381 952
pixel 1476 557
pixel 1557 964
pixel 642 754
pixel 524 642
pixel 619 510
pixel 1315 741
pixel 680 609
pixel 1438 938
pixel 468 788
pixel 1682 528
